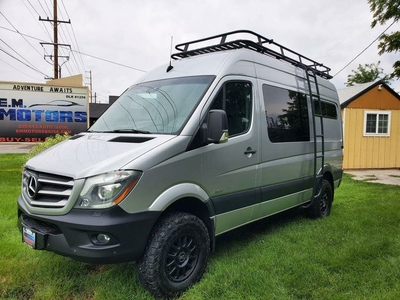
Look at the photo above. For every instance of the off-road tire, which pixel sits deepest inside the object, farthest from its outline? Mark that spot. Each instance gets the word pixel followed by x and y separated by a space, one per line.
pixel 175 256
pixel 321 206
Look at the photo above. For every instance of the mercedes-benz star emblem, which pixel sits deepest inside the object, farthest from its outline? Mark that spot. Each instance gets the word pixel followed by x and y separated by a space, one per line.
pixel 32 186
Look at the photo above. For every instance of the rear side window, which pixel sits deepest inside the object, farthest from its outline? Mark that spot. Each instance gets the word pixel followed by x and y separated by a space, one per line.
pixel 328 110
pixel 235 99
pixel 286 113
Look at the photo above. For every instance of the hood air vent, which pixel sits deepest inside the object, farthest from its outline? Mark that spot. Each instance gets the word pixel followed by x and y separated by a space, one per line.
pixel 76 136
pixel 131 139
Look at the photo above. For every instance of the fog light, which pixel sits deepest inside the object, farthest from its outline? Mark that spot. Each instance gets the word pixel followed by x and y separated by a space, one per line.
pixel 103 238
pixel 85 202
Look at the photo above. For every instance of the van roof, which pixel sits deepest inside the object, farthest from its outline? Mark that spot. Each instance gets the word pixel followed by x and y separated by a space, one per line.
pixel 275 50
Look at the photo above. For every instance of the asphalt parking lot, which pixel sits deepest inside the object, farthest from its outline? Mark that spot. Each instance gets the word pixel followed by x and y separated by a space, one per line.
pixel 15 147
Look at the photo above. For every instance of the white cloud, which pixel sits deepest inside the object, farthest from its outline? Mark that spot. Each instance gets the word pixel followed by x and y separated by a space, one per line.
pixel 137 33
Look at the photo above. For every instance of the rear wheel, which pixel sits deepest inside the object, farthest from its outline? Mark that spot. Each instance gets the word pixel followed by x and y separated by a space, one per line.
pixel 322 205
pixel 176 255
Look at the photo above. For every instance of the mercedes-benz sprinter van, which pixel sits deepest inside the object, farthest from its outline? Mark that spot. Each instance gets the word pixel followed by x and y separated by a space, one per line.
pixel 230 132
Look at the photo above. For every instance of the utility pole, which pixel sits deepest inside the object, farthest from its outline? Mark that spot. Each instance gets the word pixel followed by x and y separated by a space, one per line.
pixel 91 95
pixel 55 34
pixel 55 22
pixel 90 86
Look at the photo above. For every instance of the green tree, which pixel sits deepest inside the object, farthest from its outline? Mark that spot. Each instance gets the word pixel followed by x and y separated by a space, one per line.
pixel 367 73
pixel 387 11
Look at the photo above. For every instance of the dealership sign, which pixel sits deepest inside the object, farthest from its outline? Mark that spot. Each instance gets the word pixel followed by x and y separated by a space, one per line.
pixel 32 112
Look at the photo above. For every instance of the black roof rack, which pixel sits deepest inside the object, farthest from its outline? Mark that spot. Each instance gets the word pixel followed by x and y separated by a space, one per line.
pixel 280 52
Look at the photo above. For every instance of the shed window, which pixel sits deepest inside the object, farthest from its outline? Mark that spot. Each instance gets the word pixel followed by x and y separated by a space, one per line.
pixel 376 123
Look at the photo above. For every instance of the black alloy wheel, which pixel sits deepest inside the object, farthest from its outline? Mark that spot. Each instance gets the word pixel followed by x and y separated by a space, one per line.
pixel 176 255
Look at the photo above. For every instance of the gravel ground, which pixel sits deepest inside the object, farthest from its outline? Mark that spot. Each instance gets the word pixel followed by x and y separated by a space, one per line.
pixel 385 176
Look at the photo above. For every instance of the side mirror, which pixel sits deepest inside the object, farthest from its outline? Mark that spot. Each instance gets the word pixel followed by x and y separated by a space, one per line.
pixel 217 127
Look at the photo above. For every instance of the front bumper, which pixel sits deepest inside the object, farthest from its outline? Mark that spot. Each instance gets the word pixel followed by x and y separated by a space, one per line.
pixel 74 234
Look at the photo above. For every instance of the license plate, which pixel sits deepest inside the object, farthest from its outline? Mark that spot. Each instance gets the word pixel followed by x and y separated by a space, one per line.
pixel 29 237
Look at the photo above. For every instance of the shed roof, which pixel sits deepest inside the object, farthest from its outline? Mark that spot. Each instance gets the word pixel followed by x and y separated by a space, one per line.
pixel 348 94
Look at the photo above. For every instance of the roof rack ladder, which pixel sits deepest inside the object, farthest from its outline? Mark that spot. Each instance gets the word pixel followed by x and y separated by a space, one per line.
pixel 316 108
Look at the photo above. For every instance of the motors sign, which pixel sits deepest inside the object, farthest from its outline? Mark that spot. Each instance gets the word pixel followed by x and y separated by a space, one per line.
pixel 32 112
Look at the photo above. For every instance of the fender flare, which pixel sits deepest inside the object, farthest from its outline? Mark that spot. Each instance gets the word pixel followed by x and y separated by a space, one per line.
pixel 179 191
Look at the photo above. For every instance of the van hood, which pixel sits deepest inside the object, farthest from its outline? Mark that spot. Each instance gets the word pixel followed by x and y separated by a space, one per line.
pixel 89 154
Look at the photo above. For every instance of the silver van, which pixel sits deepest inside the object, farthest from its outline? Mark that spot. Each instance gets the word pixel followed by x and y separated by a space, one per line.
pixel 236 128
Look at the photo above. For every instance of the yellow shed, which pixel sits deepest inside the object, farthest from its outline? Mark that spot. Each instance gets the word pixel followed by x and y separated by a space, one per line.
pixel 371 126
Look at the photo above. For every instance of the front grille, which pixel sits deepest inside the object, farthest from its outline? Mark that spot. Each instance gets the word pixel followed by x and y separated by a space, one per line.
pixel 46 190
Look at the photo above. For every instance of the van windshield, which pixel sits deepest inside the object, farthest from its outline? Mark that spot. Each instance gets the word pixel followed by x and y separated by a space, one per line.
pixel 161 107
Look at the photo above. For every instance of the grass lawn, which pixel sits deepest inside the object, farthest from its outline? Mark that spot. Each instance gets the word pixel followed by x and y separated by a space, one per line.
pixel 353 254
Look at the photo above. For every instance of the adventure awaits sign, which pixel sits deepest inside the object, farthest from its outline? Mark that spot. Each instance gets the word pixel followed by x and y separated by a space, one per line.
pixel 32 112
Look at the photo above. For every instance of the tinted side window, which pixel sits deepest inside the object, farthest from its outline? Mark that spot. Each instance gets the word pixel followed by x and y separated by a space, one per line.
pixel 235 98
pixel 286 114
pixel 328 110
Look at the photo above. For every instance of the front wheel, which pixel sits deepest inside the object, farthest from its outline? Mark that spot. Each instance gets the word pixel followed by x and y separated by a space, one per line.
pixel 322 205
pixel 176 255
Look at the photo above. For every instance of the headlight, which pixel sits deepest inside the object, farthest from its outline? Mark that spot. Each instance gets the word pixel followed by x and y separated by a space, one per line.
pixel 107 189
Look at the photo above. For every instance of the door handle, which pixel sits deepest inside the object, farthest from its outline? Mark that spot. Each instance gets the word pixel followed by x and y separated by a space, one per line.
pixel 249 152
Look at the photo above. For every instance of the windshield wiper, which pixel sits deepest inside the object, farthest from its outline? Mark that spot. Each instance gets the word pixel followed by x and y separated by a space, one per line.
pixel 121 131
pixel 130 131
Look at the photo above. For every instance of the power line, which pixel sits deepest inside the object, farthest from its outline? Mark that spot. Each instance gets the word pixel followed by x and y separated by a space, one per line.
pixel 18 54
pixel 42 27
pixel 27 35
pixel 43 9
pixel 36 70
pixel 32 7
pixel 78 65
pixel 96 57
pixel 109 61
pixel 21 34
pixel 47 7
pixel 66 36
pixel 19 70
pixel 73 32
pixel 55 22
pixel 69 71
pixel 365 49
pixel 63 37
